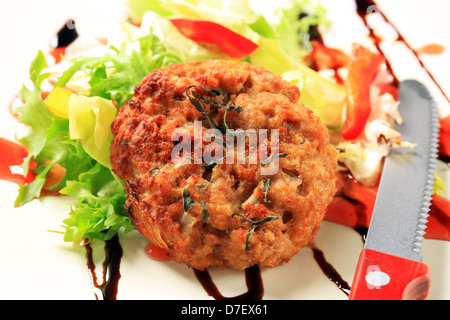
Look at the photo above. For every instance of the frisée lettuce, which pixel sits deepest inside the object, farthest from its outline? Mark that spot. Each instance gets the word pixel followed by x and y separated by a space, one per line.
pixel 99 209
pixel 99 212
pixel 47 138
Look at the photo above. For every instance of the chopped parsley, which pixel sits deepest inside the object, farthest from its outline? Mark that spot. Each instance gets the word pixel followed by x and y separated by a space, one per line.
pixel 205 212
pixel 188 202
pixel 254 224
pixel 196 100
pixel 272 158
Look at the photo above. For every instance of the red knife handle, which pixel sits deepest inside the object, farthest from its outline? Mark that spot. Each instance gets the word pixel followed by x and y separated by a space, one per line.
pixel 381 276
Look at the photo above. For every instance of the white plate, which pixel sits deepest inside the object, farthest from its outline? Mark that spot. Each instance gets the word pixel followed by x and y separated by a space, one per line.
pixel 37 264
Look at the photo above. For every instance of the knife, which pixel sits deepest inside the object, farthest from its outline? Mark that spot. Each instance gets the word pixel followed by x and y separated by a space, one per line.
pixel 390 266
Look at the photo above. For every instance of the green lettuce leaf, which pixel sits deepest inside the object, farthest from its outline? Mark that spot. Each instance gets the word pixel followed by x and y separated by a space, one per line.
pixel 291 22
pixel 47 138
pixel 100 211
pixel 115 75
pixel 34 113
pixel 325 97
pixel 139 7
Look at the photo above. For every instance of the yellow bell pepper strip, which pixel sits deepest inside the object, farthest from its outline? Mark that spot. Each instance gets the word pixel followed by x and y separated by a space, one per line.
pixel 57 102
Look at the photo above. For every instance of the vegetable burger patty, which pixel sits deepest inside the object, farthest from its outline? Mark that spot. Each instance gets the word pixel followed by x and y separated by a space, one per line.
pixel 223 213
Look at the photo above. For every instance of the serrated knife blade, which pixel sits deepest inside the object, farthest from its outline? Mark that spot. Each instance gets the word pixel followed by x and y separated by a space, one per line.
pixel 390 266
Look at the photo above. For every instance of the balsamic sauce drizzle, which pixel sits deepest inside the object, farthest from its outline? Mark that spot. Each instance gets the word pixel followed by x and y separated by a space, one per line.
pixel 65 36
pixel 108 289
pixel 329 270
pixel 253 281
pixel 363 9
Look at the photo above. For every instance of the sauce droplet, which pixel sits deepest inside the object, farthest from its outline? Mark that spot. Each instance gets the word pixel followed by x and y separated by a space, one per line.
pixel 65 36
pixel 432 48
pixel 157 253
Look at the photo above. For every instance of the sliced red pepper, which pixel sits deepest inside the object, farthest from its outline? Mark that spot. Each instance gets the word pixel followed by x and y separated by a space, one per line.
pixel 438 226
pixel 231 43
pixel 445 124
pixel 444 137
pixel 326 57
pixel 362 68
pixel 390 88
pixel 342 211
pixel 444 146
pixel 13 154
pixel 353 203
pixel 353 206
pixel 58 53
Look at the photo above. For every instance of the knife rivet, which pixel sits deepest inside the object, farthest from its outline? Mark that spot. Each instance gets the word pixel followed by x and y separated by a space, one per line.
pixel 376 279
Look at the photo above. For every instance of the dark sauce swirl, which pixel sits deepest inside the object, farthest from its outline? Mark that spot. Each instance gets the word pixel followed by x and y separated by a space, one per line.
pixel 108 288
pixel 253 281
pixel 366 7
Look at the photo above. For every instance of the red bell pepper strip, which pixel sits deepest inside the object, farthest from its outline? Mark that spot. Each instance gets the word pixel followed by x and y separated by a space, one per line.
pixel 231 43
pixel 390 88
pixel 343 211
pixel 438 226
pixel 445 124
pixel 362 68
pixel 444 137
pixel 13 154
pixel 353 205
pixel 58 53
pixel 326 57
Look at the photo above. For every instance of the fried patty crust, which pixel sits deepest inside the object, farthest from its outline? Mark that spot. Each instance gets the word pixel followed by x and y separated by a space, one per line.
pixel 289 204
